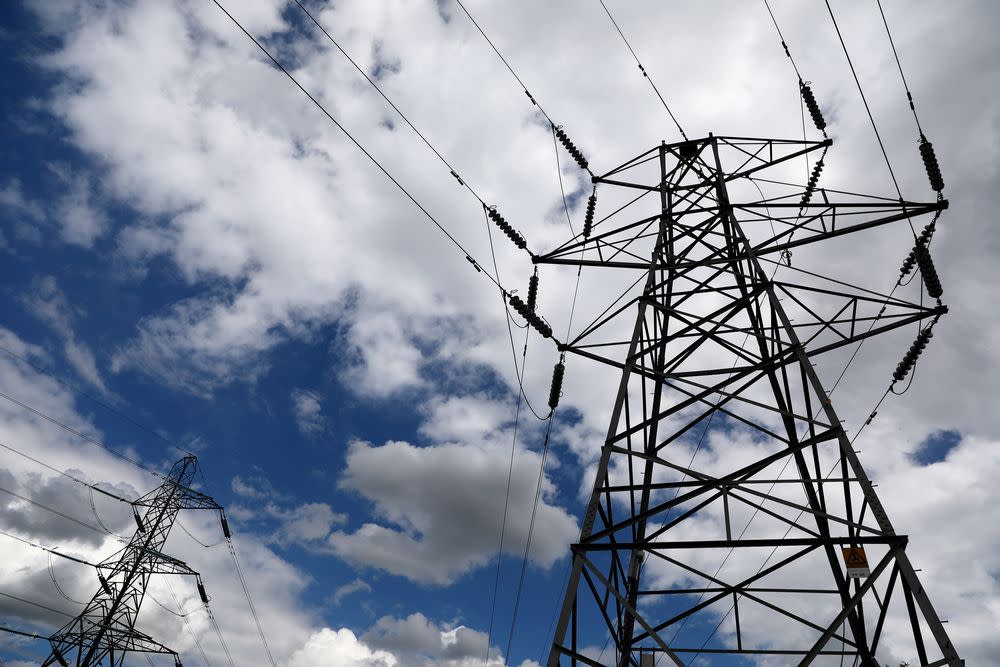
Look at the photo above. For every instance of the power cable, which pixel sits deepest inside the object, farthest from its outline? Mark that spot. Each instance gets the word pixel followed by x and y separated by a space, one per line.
pixel 187 624
pixel 22 633
pixel 504 61
pixel 359 146
pixel 33 604
pixel 503 522
pixel 451 169
pixel 864 99
pixel 218 633
pixel 643 70
pixel 53 511
pixel 189 534
pixel 534 101
pixel 246 592
pixel 82 436
pixel 47 549
pixel 531 529
pixel 83 392
pixel 59 589
pixel 92 487
pixel 906 86
pixel 784 45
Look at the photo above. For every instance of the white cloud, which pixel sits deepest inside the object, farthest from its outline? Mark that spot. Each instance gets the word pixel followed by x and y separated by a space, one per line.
pixel 339 647
pixel 308 411
pixel 418 642
pixel 356 586
pixel 48 302
pixel 442 507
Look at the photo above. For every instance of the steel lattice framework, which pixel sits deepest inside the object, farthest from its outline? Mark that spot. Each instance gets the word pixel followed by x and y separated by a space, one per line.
pixel 781 507
pixel 105 629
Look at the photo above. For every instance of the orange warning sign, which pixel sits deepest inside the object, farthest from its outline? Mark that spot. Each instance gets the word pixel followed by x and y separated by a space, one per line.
pixel 856 561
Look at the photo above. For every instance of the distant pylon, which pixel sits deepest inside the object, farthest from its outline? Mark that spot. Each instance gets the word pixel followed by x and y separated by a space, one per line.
pixel 816 568
pixel 105 629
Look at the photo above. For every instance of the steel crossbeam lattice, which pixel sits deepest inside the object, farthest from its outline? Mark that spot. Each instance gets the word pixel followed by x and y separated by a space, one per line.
pixel 784 510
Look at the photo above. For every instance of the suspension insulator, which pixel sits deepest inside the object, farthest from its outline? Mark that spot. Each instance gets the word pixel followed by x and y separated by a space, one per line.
pixel 225 527
pixel 931 164
pixel 138 520
pixel 571 148
pixel 177 661
pixel 927 270
pixel 505 227
pixel 530 317
pixel 810 190
pixel 533 291
pixel 588 222
pixel 910 358
pixel 908 263
pixel 59 656
pixel 812 106
pixel 201 592
pixel 555 391
pixel 104 584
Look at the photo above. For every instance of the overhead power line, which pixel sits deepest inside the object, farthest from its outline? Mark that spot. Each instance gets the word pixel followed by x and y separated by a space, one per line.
pixel 868 109
pixel 642 69
pixel 569 145
pixel 468 255
pixel 82 436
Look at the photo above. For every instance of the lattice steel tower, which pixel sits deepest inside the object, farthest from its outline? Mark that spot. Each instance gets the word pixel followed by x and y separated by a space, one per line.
pixel 814 571
pixel 105 630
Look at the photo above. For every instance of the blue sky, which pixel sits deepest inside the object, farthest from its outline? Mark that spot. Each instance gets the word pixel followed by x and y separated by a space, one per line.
pixel 186 239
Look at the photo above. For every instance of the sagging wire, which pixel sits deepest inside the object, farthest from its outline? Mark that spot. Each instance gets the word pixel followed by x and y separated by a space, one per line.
pixel 189 534
pixel 59 589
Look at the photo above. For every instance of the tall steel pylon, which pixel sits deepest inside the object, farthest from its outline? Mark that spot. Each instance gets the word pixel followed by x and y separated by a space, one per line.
pixel 105 629
pixel 774 547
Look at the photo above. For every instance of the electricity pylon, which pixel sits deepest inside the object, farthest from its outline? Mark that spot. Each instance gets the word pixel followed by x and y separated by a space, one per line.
pixel 105 629
pixel 775 546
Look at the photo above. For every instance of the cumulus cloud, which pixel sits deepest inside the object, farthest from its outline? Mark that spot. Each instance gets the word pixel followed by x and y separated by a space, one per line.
pixel 340 647
pixel 442 506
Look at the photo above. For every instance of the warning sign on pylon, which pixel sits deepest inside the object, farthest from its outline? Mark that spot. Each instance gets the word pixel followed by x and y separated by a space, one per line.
pixel 856 561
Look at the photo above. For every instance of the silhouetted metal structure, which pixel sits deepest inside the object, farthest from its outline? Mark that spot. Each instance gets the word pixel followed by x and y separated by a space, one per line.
pixel 815 567
pixel 105 632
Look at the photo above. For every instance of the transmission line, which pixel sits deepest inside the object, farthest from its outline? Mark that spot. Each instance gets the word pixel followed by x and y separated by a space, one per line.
pixel 33 604
pixel 90 486
pixel 642 69
pixel 906 86
pixel 52 510
pixel 864 99
pixel 359 146
pixel 246 592
pixel 76 389
pixel 531 530
pixel 580 160
pixel 46 549
pixel 82 436
pixel 463 182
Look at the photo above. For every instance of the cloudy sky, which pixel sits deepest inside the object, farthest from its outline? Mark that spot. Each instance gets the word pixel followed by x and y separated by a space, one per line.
pixel 196 259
